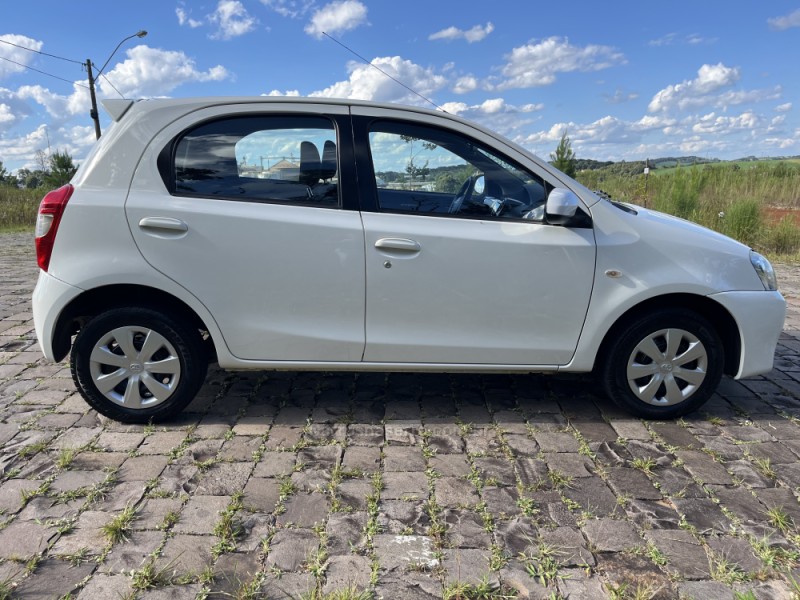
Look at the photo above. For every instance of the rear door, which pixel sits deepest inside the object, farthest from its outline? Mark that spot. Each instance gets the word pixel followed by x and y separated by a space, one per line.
pixel 248 214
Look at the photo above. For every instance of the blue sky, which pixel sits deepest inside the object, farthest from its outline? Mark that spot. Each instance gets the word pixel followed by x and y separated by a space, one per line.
pixel 625 80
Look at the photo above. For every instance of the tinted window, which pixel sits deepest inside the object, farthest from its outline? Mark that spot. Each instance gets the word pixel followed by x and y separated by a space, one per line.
pixel 267 159
pixel 428 170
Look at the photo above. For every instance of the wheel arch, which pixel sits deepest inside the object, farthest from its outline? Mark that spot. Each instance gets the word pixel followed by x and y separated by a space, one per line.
pixel 716 314
pixel 92 302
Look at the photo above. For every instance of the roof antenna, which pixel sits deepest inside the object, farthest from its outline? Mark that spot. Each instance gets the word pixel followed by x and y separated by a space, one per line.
pixel 384 72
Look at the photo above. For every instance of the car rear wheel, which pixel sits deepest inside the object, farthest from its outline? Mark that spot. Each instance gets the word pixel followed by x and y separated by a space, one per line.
pixel 135 365
pixel 664 365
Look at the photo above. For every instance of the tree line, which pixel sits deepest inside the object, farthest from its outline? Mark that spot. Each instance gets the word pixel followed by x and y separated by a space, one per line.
pixel 52 171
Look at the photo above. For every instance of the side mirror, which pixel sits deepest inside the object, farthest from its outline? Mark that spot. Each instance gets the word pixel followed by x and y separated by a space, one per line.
pixel 562 204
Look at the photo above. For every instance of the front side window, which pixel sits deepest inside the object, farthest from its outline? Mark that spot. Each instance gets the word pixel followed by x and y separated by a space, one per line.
pixel 284 159
pixel 427 170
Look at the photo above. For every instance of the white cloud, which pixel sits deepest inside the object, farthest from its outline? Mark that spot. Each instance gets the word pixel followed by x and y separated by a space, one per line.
pixel 710 78
pixel 232 20
pixel 785 22
pixel 534 65
pixel 153 72
pixel 280 93
pixel 293 9
pixel 337 17
pixel 719 125
pixel 185 19
pixel 693 39
pixel 465 84
pixel 18 55
pixel 783 107
pixel 781 143
pixel 6 115
pixel 474 34
pixel 367 83
pixel 57 106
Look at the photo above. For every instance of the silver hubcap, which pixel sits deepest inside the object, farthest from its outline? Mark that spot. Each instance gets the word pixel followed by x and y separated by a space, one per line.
pixel 667 367
pixel 135 367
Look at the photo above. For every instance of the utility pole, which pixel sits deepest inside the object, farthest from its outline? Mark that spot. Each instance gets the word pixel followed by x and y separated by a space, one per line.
pixel 93 113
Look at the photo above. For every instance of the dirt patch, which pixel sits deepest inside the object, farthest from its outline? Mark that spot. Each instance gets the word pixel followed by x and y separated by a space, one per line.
pixel 774 214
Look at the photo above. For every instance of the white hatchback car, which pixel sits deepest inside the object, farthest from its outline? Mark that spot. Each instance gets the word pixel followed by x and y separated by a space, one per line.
pixel 298 234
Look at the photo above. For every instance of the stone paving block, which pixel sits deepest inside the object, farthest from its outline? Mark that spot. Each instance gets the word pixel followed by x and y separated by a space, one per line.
pixel 311 480
pixel 255 529
pixel 282 437
pixel 453 491
pixel 53 579
pixel 701 466
pixel 119 442
pixel 632 483
pixel 142 468
pixel 345 532
pixel 532 472
pixel 630 429
pixel 594 496
pixel 152 512
pixel 450 465
pixel 400 516
pixel 398 486
pixel 497 470
pixel 287 585
pixel 304 510
pixel 132 553
pixel 361 458
pixel 703 513
pixel 233 572
pixel 23 539
pixel 570 546
pixel 400 552
pixel 347 573
pixel 261 494
pixel 556 442
pixel 611 535
pixel 569 464
pixel 275 464
pixel 240 449
pixel 223 479
pixel 636 575
pixel 162 442
pixel 87 535
pixel 353 493
pixel 200 514
pixel 403 458
pixel 106 586
pixel 685 556
pixel 777 453
pixel 469 566
pixel 653 514
pixel 501 501
pixel 11 494
pixel 408 586
pixel 290 548
pixel 465 529
pixel 674 435
pixel 734 551
pixel 186 555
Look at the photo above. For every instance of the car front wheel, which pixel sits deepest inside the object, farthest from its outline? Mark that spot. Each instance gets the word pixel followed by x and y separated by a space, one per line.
pixel 135 364
pixel 664 365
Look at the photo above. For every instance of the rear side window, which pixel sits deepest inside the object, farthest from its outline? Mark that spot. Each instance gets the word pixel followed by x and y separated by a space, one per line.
pixel 285 159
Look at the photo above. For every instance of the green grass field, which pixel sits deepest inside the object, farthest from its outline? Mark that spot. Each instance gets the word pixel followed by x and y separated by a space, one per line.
pixel 752 202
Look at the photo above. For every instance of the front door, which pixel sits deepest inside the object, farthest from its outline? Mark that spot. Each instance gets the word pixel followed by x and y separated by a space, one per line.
pixel 476 277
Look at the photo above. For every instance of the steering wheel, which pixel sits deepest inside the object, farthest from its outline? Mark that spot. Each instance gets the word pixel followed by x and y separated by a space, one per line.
pixel 464 194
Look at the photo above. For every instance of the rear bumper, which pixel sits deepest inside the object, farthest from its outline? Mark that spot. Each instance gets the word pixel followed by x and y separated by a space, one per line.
pixel 760 317
pixel 50 297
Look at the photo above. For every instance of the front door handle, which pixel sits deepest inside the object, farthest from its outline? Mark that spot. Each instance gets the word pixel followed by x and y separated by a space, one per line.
pixel 164 223
pixel 398 244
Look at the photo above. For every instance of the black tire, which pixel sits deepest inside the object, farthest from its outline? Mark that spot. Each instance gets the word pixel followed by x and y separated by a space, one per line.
pixel 149 384
pixel 662 392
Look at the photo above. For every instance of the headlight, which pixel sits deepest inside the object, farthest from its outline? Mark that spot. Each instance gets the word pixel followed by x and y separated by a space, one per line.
pixel 764 270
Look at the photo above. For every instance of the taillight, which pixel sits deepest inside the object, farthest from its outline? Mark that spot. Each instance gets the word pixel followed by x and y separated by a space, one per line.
pixel 50 211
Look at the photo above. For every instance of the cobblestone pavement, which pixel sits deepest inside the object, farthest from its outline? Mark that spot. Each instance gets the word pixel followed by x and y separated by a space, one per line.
pixel 276 485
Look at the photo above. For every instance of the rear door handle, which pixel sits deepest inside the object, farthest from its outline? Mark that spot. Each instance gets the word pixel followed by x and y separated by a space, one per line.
pixel 398 244
pixel 163 223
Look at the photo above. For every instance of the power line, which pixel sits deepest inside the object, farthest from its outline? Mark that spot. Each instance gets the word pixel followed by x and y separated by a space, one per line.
pixel 42 72
pixel 77 62
pixel 111 84
pixel 371 64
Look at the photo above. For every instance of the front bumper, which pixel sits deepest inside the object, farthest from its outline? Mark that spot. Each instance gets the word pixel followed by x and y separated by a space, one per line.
pixel 760 317
pixel 50 297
